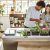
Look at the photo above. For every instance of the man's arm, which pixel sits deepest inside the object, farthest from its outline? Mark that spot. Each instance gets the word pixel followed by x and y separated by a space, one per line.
pixel 32 19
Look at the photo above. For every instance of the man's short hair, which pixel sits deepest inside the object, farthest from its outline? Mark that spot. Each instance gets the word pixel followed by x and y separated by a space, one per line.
pixel 41 3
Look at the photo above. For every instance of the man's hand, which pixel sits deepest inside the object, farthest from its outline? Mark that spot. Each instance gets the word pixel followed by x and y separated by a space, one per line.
pixel 32 19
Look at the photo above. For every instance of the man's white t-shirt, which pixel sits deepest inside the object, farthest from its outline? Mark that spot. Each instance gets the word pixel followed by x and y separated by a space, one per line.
pixel 31 13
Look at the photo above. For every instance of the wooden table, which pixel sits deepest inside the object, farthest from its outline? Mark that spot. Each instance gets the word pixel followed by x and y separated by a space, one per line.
pixel 29 43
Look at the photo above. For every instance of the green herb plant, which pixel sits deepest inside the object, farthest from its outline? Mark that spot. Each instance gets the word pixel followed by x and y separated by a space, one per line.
pixel 37 29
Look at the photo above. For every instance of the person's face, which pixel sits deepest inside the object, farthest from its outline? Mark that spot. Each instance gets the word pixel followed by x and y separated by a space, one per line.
pixel 47 9
pixel 39 8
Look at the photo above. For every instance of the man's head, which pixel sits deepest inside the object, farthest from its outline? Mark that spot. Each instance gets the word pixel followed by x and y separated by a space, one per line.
pixel 41 0
pixel 40 5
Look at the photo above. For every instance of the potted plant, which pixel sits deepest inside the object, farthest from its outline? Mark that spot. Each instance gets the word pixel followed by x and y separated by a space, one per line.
pixel 44 29
pixel 35 30
pixel 1 8
pixel 1 11
pixel 25 33
pixel 44 32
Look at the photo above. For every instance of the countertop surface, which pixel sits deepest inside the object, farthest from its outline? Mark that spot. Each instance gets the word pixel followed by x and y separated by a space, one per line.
pixel 17 37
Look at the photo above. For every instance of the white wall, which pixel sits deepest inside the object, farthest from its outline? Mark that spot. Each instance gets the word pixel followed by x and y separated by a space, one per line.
pixel 1 44
pixel 6 22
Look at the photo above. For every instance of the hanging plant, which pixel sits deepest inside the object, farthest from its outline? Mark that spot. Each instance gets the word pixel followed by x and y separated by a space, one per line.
pixel 1 11
pixel 1 8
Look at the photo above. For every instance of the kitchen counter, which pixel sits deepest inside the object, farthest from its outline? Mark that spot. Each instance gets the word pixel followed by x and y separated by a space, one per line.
pixel 30 42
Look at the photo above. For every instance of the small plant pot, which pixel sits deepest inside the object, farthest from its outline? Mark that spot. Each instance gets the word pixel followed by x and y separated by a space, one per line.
pixel 28 33
pixel 49 33
pixel 35 33
pixel 44 34
pixel 9 34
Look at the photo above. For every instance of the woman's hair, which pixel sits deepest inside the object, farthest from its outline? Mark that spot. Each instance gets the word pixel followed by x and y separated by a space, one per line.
pixel 48 5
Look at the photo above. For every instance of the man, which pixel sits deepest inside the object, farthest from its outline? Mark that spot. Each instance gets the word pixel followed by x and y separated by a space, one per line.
pixel 33 14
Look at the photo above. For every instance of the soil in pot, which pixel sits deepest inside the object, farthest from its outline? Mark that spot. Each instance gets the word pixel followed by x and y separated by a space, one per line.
pixel 35 33
pixel 49 33
pixel 28 33
pixel 44 34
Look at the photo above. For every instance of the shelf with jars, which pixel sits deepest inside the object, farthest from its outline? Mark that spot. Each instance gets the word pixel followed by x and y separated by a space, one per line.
pixel 17 20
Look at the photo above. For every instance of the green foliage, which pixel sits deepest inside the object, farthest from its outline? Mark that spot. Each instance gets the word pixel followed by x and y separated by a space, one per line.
pixel 44 32
pixel 37 29
pixel 1 11
pixel 24 33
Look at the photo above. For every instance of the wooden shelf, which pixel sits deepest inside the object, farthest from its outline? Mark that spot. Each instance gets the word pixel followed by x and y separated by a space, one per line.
pixel 17 20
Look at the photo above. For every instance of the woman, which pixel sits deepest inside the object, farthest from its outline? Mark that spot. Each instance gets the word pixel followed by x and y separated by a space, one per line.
pixel 46 15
